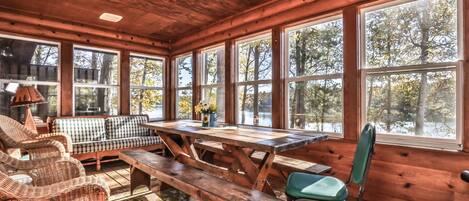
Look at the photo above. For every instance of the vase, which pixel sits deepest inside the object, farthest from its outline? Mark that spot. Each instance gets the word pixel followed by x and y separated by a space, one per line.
pixel 205 120
pixel 213 120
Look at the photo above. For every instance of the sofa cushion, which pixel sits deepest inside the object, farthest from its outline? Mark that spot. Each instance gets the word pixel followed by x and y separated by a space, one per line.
pixel 81 129
pixel 115 144
pixel 126 126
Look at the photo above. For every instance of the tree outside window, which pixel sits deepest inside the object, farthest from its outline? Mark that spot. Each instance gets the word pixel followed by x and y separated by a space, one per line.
pixel 411 54
pixel 315 53
pixel 29 62
pixel 96 83
pixel 213 79
pixel 184 87
pixel 254 63
pixel 146 86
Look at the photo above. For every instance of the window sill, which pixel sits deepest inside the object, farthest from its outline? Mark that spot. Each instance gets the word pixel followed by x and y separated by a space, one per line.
pixel 451 145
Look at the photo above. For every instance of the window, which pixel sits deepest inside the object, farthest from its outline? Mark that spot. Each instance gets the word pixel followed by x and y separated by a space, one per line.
pixel 184 87
pixel 96 84
pixel 315 67
pixel 254 81
pixel 146 86
pixel 28 62
pixel 410 72
pixel 213 78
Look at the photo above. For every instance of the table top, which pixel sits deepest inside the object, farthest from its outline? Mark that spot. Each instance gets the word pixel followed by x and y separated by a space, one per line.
pixel 258 138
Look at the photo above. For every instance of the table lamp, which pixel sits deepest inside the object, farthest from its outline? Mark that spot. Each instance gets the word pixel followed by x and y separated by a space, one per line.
pixel 27 96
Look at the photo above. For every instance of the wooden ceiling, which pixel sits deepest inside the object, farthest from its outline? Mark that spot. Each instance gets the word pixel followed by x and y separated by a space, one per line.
pixel 158 19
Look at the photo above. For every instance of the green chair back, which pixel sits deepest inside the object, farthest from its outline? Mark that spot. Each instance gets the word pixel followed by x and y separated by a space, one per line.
pixel 363 154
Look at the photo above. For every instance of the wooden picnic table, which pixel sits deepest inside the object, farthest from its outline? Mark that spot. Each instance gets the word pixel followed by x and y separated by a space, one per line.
pixel 240 141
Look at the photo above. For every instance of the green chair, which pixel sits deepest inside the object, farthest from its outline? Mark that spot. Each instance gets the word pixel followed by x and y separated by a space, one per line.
pixel 302 186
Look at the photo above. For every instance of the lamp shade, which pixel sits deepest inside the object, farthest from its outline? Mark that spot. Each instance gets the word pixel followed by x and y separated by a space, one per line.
pixel 27 95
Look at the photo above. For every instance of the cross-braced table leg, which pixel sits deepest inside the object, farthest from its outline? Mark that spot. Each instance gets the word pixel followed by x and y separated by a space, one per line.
pixel 255 177
pixel 258 176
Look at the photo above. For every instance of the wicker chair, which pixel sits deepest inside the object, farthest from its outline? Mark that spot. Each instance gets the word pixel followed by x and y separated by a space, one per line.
pixel 15 135
pixel 52 179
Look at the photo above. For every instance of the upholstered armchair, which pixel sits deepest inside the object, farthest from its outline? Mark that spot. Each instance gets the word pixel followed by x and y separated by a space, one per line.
pixel 58 178
pixel 15 135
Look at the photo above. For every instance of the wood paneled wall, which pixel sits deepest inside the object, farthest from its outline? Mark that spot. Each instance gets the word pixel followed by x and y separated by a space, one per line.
pixel 397 172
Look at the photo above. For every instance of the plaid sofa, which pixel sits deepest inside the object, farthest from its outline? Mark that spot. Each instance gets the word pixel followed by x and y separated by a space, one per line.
pixel 91 135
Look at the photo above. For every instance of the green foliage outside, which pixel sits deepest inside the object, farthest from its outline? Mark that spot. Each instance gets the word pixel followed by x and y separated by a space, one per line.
pixel 413 103
pixel 146 80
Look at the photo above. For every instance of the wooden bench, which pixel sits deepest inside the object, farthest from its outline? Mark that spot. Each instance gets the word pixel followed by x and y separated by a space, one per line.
pixel 282 164
pixel 196 183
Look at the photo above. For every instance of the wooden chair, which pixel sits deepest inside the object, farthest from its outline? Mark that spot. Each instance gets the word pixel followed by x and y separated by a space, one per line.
pixel 58 178
pixel 302 186
pixel 15 135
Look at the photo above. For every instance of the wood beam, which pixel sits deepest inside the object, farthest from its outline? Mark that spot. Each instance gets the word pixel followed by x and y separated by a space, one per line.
pixel 351 82
pixel 243 18
pixel 196 93
pixel 23 29
pixel 278 80
pixel 124 85
pixel 466 75
pixel 298 13
pixel 230 86
pixel 169 102
pixel 64 25
pixel 66 79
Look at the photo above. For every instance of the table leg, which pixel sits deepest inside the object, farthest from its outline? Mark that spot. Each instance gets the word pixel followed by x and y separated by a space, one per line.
pixel 257 176
pixel 189 147
pixel 173 147
pixel 138 178
pixel 266 165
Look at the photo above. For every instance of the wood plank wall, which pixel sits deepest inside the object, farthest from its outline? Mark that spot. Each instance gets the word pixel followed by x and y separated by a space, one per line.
pixel 397 172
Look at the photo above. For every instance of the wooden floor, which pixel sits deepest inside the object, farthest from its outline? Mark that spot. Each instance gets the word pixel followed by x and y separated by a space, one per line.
pixel 117 176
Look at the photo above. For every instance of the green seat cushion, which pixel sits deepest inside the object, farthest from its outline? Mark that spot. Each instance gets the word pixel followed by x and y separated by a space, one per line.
pixel 315 187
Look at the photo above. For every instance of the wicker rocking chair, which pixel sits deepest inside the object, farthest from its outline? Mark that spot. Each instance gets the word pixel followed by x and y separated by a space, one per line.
pixel 15 135
pixel 59 178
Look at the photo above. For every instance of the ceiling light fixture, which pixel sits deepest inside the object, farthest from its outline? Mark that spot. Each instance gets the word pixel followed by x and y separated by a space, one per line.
pixel 110 17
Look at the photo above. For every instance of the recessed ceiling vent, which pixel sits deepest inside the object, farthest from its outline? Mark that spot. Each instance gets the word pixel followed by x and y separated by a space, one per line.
pixel 110 17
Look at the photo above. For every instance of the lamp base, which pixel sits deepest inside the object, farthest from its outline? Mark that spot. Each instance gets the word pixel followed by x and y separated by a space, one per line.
pixel 29 120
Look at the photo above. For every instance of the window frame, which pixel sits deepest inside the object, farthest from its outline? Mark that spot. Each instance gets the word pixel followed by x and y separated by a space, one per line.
pixel 154 57
pixel 178 88
pixel 201 73
pixel 36 83
pixel 457 66
pixel 249 38
pixel 104 86
pixel 288 79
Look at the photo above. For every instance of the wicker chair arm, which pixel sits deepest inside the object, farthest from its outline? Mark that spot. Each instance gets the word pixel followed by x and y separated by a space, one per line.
pixel 43 148
pixel 65 139
pixel 64 169
pixel 83 187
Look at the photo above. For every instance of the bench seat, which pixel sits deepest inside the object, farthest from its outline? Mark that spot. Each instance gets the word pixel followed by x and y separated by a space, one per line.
pixel 115 144
pixel 280 162
pixel 196 183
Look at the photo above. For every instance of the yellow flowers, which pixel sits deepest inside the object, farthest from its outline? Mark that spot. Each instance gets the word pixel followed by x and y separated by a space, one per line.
pixel 205 108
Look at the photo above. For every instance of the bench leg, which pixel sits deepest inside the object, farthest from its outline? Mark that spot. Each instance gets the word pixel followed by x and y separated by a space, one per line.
pixel 98 162
pixel 138 178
